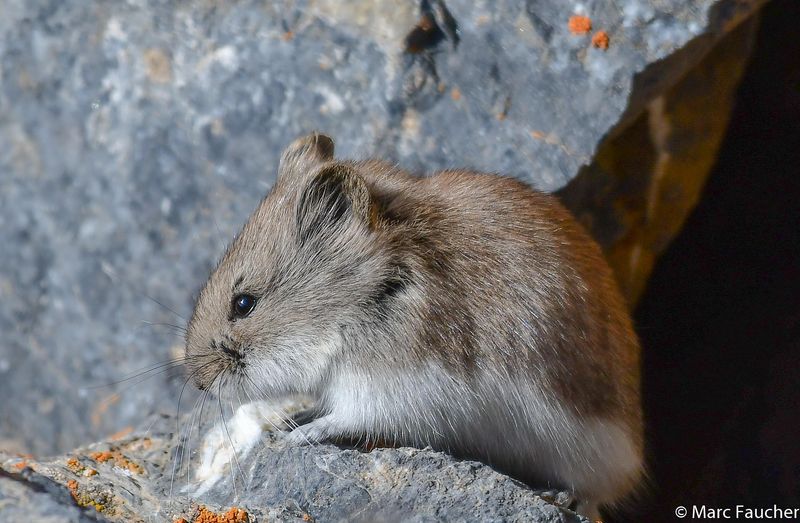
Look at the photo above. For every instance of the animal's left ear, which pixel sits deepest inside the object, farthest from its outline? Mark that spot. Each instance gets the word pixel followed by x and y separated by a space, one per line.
pixel 333 196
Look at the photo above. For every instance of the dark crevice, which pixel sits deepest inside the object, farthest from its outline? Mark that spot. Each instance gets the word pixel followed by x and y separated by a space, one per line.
pixel 436 24
pixel 720 319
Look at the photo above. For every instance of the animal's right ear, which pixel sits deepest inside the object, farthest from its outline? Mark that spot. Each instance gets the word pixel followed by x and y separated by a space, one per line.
pixel 305 154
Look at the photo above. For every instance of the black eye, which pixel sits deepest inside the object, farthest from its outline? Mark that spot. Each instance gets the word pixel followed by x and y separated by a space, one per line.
pixel 243 305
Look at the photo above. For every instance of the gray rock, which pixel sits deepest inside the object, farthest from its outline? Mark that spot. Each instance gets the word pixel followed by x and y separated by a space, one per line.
pixel 29 496
pixel 141 478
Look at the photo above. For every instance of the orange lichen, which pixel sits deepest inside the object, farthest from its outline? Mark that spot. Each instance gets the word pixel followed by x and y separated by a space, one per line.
pixel 119 460
pixel 101 456
pixel 21 465
pixel 233 515
pixel 600 40
pixel 579 25
pixel 72 485
pixel 85 499
pixel 76 466
pixel 455 94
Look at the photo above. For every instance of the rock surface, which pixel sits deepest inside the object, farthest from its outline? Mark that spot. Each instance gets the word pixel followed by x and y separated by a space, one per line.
pixel 138 478
pixel 138 135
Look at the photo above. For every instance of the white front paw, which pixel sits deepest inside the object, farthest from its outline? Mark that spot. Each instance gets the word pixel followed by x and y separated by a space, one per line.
pixel 311 433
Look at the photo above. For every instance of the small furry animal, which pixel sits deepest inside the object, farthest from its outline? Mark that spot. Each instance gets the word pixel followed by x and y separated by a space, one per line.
pixel 464 311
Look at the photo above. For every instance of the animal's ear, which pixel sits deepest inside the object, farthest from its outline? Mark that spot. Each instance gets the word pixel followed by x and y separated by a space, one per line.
pixel 334 195
pixel 304 154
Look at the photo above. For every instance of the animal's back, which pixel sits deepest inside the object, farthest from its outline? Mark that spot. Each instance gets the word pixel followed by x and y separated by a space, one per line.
pixel 519 305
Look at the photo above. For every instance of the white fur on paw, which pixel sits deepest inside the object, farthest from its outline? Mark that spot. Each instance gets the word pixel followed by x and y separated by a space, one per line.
pixel 316 431
pixel 236 437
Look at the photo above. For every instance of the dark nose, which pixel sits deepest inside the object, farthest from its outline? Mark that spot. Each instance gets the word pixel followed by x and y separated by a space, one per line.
pixel 226 349
pixel 230 352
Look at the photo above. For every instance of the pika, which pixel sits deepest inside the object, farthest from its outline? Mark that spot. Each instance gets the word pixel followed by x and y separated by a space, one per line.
pixel 461 310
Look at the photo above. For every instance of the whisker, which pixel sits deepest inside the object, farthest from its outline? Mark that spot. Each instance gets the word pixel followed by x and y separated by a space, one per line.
pixel 184 439
pixel 222 419
pixel 186 448
pixel 178 418
pixel 164 306
pixel 163 366
pixel 179 457
pixel 176 335
pixel 220 237
pixel 175 328
pixel 117 395
pixel 205 396
pixel 109 271
pixel 233 448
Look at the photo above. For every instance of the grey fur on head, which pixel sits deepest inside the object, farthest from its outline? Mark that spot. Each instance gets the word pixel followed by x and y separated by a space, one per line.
pixel 464 311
